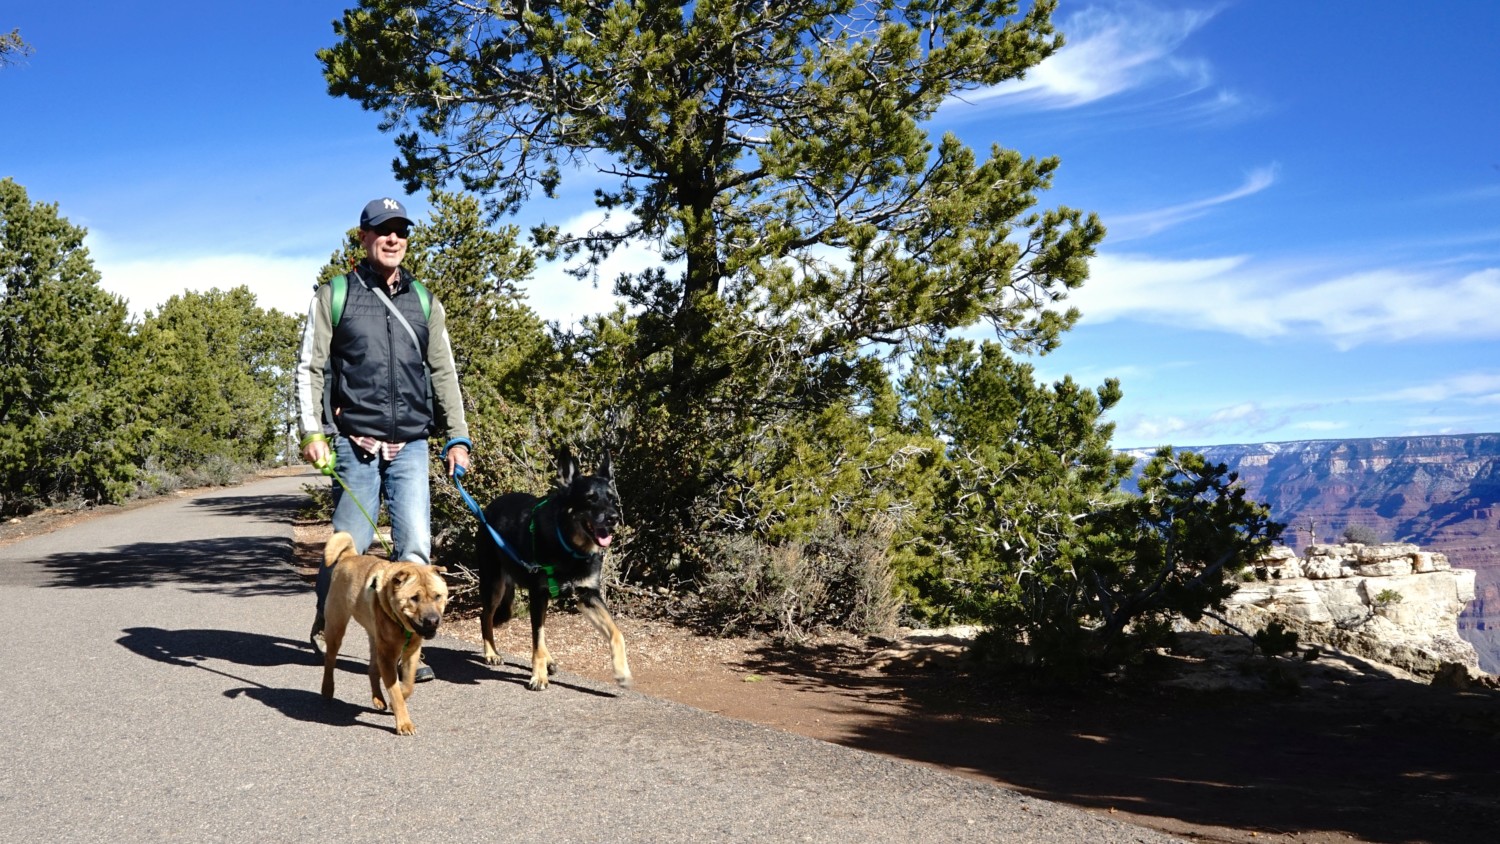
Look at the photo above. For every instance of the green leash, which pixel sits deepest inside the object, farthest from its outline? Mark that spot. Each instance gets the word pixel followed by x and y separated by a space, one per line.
pixel 326 467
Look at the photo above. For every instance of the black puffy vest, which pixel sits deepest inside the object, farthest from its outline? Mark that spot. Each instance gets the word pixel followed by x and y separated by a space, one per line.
pixel 380 384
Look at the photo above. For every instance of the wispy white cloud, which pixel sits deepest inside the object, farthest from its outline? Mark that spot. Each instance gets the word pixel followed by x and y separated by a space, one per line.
pixel 1109 50
pixel 1241 422
pixel 1125 227
pixel 1237 413
pixel 1346 306
pixel 1142 432
pixel 1475 387
pixel 1457 404
pixel 1482 193
pixel 1322 426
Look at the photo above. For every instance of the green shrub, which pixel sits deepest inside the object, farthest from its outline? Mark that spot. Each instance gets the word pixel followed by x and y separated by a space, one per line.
pixel 1362 534
pixel 1275 640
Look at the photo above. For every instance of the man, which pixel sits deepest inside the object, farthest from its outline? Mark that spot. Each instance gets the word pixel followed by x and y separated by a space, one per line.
pixel 386 350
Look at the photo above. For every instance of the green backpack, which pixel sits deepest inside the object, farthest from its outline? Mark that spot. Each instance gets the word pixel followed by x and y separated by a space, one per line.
pixel 340 285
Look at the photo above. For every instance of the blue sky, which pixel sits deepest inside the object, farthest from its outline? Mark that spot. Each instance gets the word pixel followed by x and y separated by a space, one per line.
pixel 1303 198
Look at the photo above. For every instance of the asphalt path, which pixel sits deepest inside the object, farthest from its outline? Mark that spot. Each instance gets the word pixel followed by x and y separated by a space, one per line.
pixel 160 689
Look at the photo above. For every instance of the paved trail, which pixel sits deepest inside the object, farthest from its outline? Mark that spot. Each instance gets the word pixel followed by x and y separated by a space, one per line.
pixel 159 689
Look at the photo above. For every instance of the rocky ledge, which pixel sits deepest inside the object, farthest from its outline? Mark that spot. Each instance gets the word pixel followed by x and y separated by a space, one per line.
pixel 1392 603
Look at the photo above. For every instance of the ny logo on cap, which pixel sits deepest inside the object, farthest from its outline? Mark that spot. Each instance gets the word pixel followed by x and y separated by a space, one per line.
pixel 392 204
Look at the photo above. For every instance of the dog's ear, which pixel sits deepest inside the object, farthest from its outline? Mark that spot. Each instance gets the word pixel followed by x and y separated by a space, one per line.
pixel 567 465
pixel 606 468
pixel 398 577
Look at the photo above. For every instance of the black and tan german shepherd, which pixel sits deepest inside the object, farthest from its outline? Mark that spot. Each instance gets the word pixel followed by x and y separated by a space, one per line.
pixel 554 546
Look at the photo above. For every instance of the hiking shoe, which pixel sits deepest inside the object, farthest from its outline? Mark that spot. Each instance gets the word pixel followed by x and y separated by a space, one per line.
pixel 423 673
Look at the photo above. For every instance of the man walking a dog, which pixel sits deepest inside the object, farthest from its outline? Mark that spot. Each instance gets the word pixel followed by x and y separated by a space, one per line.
pixel 384 342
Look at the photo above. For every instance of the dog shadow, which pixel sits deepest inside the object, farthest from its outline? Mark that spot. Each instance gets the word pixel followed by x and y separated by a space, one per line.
pixel 466 667
pixel 205 649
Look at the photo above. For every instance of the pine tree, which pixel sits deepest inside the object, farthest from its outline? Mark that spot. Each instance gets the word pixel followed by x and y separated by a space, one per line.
pixel 777 158
pixel 752 142
pixel 66 429
pixel 214 375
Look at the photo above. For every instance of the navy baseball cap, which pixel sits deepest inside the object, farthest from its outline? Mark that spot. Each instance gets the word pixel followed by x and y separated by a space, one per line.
pixel 384 210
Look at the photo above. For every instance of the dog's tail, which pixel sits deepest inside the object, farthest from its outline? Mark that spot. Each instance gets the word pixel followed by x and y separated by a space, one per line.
pixel 339 544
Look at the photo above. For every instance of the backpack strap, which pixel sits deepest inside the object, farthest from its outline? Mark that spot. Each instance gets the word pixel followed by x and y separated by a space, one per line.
pixel 424 297
pixel 340 291
pixel 340 285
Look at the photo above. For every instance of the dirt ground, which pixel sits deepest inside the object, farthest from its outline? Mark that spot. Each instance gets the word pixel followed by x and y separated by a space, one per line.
pixel 1203 747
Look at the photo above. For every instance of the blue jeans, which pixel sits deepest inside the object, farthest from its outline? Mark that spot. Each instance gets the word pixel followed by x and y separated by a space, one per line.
pixel 401 483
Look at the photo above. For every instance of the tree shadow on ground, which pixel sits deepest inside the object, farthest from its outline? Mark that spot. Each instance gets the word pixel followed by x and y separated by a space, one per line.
pixel 241 566
pixel 271 508
pixel 234 565
pixel 1380 759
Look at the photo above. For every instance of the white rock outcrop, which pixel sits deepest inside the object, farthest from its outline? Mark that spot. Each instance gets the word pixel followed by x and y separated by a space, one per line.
pixel 1393 603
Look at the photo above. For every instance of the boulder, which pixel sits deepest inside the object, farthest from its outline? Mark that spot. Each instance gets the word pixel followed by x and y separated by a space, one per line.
pixel 1427 561
pixel 1385 552
pixel 1394 567
pixel 1322 568
pixel 1392 603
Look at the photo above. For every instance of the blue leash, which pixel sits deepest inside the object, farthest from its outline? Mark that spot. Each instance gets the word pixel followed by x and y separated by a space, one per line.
pixel 533 568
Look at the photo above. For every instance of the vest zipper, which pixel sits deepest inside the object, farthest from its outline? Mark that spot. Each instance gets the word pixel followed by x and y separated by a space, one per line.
pixel 390 345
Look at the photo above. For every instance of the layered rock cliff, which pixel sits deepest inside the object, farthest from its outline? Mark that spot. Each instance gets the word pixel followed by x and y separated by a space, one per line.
pixel 1440 493
pixel 1393 603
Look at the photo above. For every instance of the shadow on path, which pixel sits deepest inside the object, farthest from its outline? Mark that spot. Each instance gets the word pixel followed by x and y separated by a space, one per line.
pixel 268 507
pixel 1384 760
pixel 468 667
pixel 239 566
pixel 203 649
pixel 229 565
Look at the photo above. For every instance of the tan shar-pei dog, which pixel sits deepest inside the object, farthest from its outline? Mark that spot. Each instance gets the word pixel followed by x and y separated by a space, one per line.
pixel 398 604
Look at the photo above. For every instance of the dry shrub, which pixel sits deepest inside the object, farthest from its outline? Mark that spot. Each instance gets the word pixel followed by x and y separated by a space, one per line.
pixel 833 581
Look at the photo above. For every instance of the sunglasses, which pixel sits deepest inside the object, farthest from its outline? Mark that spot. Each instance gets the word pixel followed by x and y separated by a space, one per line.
pixel 400 230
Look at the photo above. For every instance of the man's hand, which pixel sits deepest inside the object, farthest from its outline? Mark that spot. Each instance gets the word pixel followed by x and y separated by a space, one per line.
pixel 457 458
pixel 315 450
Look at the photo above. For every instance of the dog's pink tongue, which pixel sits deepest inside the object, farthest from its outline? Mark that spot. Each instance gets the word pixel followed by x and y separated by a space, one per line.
pixel 603 539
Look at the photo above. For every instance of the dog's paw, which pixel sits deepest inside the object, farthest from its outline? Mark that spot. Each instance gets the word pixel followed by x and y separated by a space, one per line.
pixel 406 728
pixel 378 703
pixel 492 658
pixel 537 683
pixel 624 681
